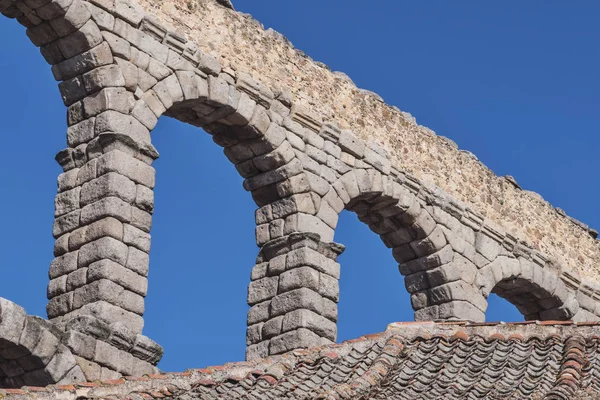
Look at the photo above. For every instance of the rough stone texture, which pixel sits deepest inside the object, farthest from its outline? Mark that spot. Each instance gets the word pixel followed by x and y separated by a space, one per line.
pixel 271 59
pixel 457 231
pixel 30 350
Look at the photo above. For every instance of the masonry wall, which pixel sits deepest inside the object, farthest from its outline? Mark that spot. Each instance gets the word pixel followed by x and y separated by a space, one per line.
pixel 120 70
pixel 265 54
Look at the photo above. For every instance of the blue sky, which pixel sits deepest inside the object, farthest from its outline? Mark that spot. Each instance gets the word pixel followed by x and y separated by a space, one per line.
pixel 516 83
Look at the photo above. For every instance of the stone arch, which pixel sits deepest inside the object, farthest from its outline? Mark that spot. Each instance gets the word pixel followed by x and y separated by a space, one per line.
pixel 451 265
pixel 31 352
pixel 120 71
pixel 438 277
pixel 116 81
pixel 537 292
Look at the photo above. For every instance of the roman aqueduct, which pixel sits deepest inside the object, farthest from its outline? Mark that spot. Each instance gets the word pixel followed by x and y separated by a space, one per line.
pixel 304 158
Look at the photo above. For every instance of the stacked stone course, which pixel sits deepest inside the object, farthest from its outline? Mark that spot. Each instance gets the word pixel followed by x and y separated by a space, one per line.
pixel 247 47
pixel 120 70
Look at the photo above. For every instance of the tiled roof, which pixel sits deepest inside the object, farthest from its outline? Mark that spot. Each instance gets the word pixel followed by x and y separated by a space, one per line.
pixel 553 360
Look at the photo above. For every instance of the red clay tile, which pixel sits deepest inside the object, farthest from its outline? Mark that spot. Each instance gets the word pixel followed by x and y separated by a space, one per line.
pixel 271 379
pixel 87 384
pixel 588 323
pixel 13 391
pixel 34 389
pixel 460 335
pixel 158 376
pixel 556 323
pixel 69 388
pixel 113 382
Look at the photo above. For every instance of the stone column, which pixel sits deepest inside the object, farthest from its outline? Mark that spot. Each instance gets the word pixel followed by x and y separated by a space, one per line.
pixel 293 295
pixel 103 214
pixel 442 287
pixel 103 217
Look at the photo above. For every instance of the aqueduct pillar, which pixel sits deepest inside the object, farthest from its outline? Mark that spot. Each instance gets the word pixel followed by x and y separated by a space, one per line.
pixel 120 69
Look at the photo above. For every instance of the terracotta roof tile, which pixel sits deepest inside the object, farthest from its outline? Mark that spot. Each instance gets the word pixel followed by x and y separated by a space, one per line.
pixel 408 361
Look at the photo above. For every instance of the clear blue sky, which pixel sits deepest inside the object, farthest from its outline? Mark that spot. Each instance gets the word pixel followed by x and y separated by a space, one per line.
pixel 514 82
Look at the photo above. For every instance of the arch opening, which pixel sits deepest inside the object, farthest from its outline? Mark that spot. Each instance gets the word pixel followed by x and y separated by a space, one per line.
pixel 537 292
pixel 500 309
pixel 119 78
pixel 202 251
pixel 528 298
pixel 425 241
pixel 371 292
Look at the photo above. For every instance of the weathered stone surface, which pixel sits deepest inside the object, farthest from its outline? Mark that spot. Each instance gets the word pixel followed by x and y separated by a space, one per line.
pixel 63 265
pixel 259 312
pixel 438 240
pixel 486 246
pixel 66 223
pixel 12 320
pixel 262 289
pixel 129 11
pixel 109 226
pixel 460 310
pixel 311 321
pixel 254 334
pixel 457 291
pixel 104 248
pixel 76 279
pixel 209 64
pixel 112 98
pixel 257 351
pixel 87 37
pixel 80 344
pixel 107 207
pixel 106 290
pixel 351 144
pixel 147 350
pixel 302 222
pixel 296 278
pixel 434 260
pixel 300 338
pixel 84 62
pixel 271 328
pixel 110 313
pixel 112 184
pixel 72 90
pixel 296 299
pixel 459 268
pixel 137 238
pixel 105 20
pixel 141 219
pixel 82 132
pixel 60 305
pixel 66 202
pixel 125 165
pixel 431 244
pixel 113 121
pixel 61 364
pixel 138 261
pixel 76 16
